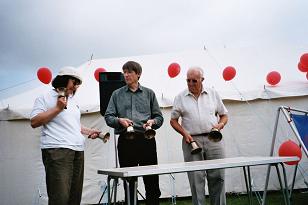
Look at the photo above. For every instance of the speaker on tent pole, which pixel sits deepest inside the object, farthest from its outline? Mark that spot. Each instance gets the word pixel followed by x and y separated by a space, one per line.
pixel 108 82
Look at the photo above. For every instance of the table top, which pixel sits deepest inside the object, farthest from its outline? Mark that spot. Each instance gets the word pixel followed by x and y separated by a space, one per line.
pixel 193 166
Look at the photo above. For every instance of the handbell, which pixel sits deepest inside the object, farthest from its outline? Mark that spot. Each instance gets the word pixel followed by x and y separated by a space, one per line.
pixel 195 147
pixel 130 132
pixel 62 93
pixel 104 136
pixel 149 132
pixel 215 135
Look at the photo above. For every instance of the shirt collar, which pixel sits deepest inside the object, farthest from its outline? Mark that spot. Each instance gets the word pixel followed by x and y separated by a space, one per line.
pixel 203 91
pixel 140 88
pixel 54 92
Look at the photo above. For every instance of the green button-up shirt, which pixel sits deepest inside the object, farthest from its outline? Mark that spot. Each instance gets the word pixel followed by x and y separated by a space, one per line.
pixel 138 106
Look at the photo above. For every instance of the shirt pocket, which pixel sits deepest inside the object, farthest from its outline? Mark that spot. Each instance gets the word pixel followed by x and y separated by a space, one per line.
pixel 143 107
pixel 142 104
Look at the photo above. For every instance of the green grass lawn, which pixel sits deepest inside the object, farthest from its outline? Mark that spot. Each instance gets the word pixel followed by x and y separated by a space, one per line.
pixel 273 198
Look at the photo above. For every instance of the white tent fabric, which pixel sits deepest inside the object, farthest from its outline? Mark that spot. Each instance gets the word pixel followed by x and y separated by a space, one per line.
pixel 251 103
pixel 249 83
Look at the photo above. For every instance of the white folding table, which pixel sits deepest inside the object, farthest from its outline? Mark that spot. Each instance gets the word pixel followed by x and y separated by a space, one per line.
pixel 126 173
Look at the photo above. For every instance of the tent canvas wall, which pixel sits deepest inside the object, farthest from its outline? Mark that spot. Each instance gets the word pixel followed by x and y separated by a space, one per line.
pixel 252 110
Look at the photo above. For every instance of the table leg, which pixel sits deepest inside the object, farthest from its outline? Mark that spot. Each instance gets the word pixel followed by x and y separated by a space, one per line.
pixel 108 187
pixel 285 184
pixel 266 184
pixel 115 187
pixel 293 181
pixel 248 183
pixel 127 191
pixel 135 191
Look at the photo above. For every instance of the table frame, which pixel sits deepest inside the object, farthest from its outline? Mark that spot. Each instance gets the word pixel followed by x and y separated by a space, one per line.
pixel 126 173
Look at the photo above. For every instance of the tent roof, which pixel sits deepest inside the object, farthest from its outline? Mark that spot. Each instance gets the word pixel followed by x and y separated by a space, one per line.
pixel 249 83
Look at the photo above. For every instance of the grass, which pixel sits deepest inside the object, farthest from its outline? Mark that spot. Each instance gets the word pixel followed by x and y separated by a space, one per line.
pixel 299 197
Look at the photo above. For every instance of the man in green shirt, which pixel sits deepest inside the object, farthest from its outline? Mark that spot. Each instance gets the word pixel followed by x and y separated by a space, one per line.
pixel 136 106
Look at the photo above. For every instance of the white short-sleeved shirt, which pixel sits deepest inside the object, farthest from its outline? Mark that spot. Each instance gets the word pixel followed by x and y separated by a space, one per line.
pixel 64 130
pixel 198 115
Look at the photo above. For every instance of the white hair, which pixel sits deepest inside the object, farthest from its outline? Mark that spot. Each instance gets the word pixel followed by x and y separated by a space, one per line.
pixel 196 68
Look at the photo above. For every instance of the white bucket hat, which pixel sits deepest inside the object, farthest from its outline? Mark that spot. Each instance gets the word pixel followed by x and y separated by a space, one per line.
pixel 70 71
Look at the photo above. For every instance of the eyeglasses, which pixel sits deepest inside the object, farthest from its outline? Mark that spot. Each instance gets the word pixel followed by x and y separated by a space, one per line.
pixel 191 80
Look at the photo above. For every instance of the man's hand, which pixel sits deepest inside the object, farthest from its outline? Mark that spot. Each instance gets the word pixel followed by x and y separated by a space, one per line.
pixel 94 133
pixel 188 138
pixel 125 122
pixel 219 126
pixel 149 123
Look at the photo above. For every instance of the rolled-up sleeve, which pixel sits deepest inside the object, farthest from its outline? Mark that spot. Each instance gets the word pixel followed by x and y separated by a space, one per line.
pixel 38 107
pixel 221 108
pixel 175 112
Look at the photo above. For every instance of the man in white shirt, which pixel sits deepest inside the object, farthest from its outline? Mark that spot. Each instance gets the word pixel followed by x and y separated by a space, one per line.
pixel 201 109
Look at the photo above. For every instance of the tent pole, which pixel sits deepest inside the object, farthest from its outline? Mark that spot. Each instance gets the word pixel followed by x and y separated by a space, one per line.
pixel 275 131
pixel 271 154
pixel 115 148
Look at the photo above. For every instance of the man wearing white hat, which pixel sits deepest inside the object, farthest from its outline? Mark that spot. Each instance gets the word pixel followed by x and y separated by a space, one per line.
pixel 62 140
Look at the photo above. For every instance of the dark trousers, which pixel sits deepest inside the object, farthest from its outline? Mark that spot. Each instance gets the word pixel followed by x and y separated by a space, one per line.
pixel 140 151
pixel 64 175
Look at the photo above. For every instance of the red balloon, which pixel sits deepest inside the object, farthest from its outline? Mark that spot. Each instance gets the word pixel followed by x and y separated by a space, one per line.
pixel 273 78
pixel 304 60
pixel 302 68
pixel 173 70
pixel 229 73
pixel 44 75
pixel 97 71
pixel 290 149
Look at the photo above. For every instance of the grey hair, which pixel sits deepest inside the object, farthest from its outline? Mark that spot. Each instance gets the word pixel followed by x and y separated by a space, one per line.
pixel 198 69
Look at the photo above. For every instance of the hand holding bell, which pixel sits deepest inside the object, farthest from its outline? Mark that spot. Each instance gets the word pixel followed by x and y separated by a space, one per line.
pixel 62 93
pixel 149 132
pixel 130 132
pixel 215 135
pixel 104 136
pixel 195 147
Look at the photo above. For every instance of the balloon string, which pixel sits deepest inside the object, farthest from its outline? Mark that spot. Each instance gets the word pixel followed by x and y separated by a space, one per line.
pixel 211 56
pixel 219 66
pixel 242 96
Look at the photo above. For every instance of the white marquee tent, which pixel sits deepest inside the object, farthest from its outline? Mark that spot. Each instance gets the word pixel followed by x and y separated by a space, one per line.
pixel 252 106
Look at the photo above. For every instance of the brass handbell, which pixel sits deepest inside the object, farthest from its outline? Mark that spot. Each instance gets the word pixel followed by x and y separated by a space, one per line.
pixel 104 136
pixel 62 93
pixel 130 132
pixel 149 132
pixel 215 135
pixel 195 147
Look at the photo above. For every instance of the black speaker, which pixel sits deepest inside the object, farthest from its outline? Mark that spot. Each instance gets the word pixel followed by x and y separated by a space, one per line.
pixel 108 82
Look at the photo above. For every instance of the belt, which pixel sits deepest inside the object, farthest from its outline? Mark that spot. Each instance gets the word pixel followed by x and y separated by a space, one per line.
pixel 200 135
pixel 134 135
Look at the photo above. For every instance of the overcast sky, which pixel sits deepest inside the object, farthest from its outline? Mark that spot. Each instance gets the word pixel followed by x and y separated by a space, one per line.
pixel 36 33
